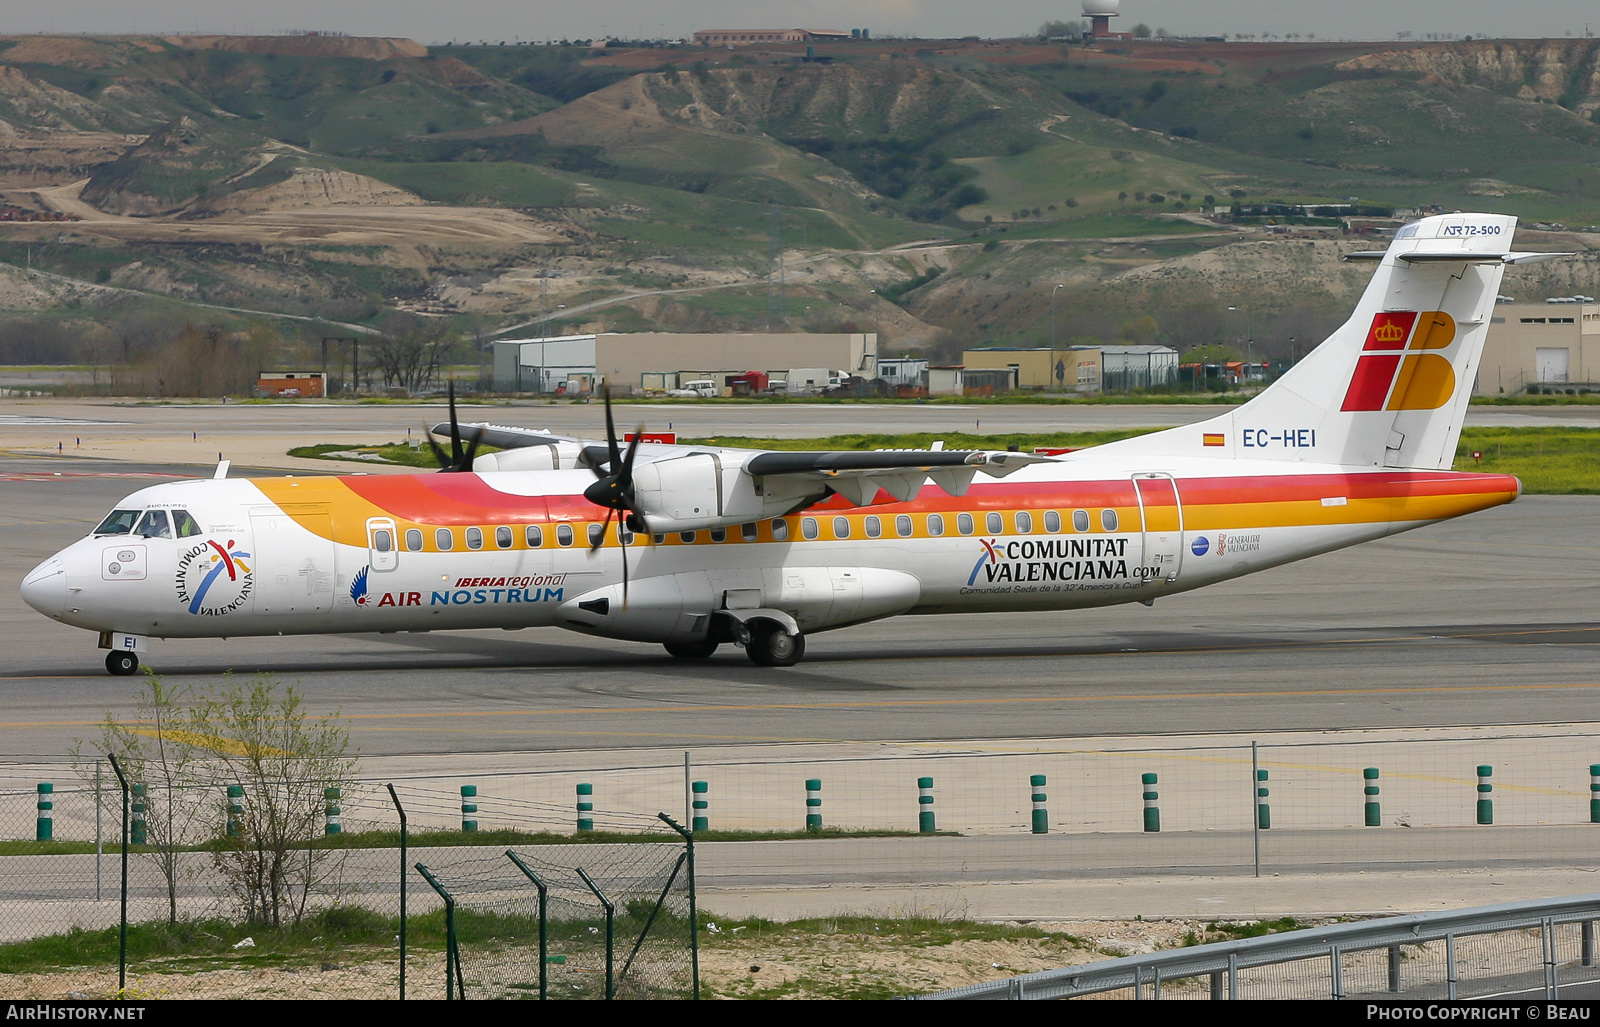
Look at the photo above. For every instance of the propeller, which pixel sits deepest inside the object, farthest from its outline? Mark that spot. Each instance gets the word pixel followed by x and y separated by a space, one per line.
pixel 613 490
pixel 457 461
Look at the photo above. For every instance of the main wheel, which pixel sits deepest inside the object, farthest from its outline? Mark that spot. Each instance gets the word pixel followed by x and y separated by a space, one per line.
pixel 122 664
pixel 771 646
pixel 691 650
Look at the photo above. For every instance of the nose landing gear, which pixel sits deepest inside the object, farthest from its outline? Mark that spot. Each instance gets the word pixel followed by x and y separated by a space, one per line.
pixel 122 664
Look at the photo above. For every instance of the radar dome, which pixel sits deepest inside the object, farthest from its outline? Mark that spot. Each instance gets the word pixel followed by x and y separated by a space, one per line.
pixel 1102 8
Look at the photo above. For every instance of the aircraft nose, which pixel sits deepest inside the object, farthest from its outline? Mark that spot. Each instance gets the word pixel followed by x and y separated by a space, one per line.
pixel 45 587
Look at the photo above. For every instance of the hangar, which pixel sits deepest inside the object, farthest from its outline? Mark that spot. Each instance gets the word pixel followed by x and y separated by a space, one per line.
pixel 624 358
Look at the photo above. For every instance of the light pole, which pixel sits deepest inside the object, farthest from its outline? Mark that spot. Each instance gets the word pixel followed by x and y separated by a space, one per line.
pixel 1053 316
pixel 1249 340
pixel 877 314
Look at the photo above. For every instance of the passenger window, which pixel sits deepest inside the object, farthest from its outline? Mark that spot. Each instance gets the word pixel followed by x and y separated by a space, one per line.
pixel 154 525
pixel 1052 521
pixel 413 540
pixel 841 527
pixel 1108 520
pixel 874 527
pixel 563 534
pixel 902 525
pixel 749 532
pixel 624 535
pixel 661 540
pixel 382 541
pixel 533 535
pixel 1080 520
pixel 964 523
pixel 935 524
pixel 686 537
pixel 444 539
pixel 474 538
pixel 1024 522
pixel 502 537
pixel 780 530
pixel 120 522
pixel 597 534
pixel 719 534
pixel 808 527
pixel 186 525
pixel 995 523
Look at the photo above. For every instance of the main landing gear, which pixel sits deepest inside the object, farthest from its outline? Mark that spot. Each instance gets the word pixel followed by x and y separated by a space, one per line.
pixel 765 642
pixel 771 646
pixel 122 664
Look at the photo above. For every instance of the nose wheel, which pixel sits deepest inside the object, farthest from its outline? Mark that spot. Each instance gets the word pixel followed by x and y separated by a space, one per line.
pixel 122 664
pixel 771 646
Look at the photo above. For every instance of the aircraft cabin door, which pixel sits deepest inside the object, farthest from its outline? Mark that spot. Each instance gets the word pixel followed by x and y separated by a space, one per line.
pixel 294 561
pixel 1161 514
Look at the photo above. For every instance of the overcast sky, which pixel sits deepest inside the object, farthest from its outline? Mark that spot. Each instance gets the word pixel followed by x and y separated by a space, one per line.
pixel 432 21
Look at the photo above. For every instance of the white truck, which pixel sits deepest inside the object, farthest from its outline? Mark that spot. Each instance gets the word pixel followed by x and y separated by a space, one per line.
pixel 811 381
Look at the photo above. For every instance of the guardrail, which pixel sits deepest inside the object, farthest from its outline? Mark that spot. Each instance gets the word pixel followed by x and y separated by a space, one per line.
pixel 1484 947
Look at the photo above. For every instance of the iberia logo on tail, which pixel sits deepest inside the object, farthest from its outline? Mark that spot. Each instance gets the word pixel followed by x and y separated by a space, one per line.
pixel 1392 376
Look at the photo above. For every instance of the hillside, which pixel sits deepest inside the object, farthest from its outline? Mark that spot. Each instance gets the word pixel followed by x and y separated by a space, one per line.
pixel 623 187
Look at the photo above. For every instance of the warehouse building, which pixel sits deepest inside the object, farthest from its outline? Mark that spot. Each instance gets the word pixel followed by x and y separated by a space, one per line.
pixel 655 360
pixel 1063 368
pixel 1552 345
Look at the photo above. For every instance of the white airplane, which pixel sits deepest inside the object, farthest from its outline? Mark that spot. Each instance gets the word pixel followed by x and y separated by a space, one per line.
pixel 697 546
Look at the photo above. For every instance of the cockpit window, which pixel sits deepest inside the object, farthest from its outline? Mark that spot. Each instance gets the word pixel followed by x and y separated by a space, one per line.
pixel 186 525
pixel 154 524
pixel 119 523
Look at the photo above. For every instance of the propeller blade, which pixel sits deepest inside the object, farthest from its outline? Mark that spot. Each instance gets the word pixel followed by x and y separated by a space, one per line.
pixel 613 451
pixel 438 454
pixel 455 430
pixel 624 569
pixel 625 476
pixel 472 451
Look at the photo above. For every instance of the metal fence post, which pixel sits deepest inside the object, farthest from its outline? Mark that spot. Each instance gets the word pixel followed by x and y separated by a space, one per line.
pixel 122 939
pixel 403 875
pixel 1547 940
pixel 1588 942
pixel 1336 970
pixel 544 924
pixel 1451 975
pixel 1394 969
pixel 611 929
pixel 925 805
pixel 1373 810
pixel 1041 815
pixel 694 913
pixel 452 954
pixel 1485 804
pixel 99 837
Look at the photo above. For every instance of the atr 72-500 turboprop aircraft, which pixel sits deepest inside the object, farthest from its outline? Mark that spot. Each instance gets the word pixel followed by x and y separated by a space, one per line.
pixel 696 546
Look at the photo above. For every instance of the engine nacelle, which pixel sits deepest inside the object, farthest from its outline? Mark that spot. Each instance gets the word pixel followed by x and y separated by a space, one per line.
pixel 696 491
pixel 681 607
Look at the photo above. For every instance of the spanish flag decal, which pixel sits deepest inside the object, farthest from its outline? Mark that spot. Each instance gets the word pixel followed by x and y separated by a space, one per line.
pixel 1214 439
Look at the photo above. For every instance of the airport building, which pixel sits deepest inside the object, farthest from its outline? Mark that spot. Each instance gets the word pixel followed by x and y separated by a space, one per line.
pixel 661 360
pixel 1063 368
pixel 1550 345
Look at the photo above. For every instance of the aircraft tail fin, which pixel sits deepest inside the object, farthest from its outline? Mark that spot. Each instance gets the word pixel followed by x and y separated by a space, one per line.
pixel 1390 387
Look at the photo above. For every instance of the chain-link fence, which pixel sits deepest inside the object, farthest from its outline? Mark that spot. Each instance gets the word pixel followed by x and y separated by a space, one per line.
pixel 344 913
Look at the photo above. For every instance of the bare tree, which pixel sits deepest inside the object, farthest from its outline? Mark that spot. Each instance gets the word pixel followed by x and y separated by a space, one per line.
pixel 410 358
pixel 283 759
pixel 160 754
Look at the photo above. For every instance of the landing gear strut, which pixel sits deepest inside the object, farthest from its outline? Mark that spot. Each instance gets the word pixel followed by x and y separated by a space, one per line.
pixel 771 646
pixel 691 650
pixel 122 664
